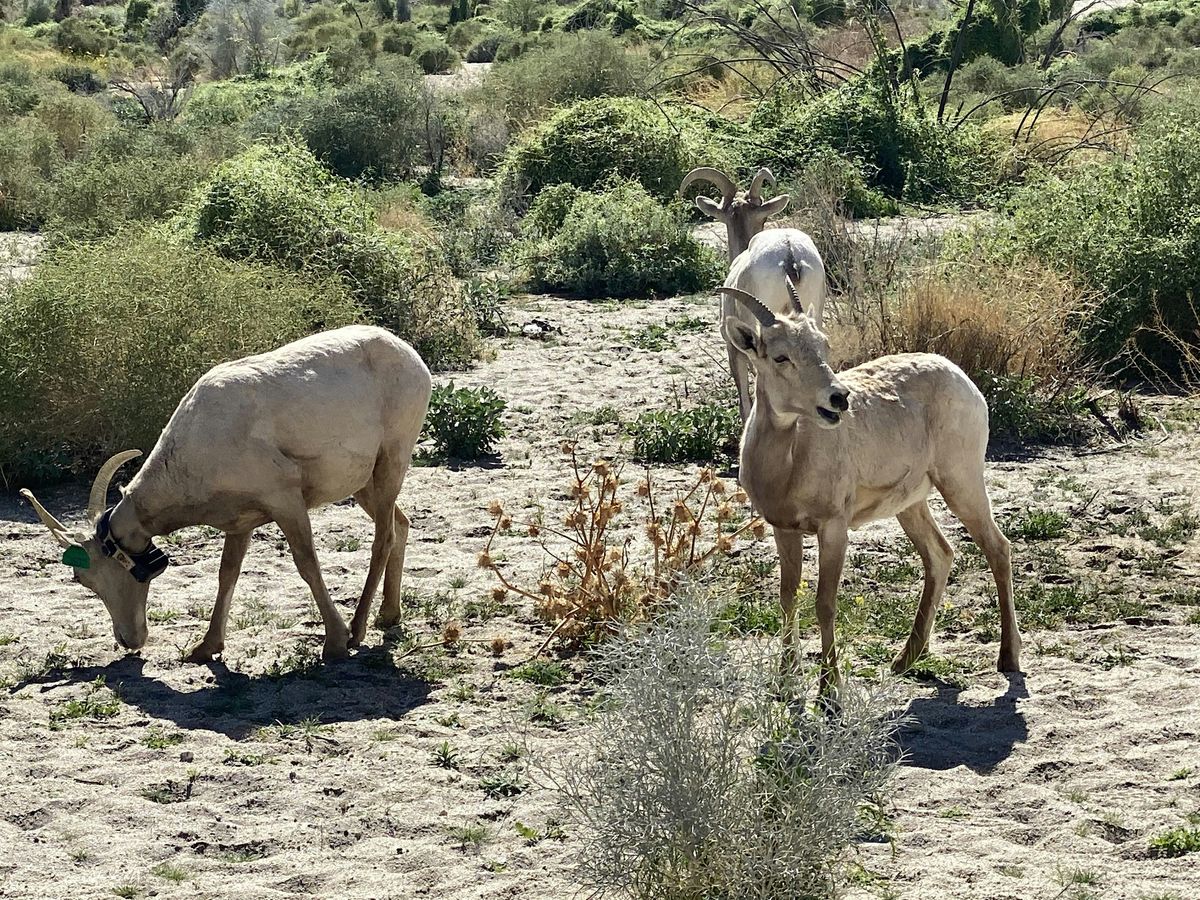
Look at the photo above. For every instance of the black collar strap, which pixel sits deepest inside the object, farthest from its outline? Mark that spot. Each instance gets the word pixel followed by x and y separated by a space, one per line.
pixel 144 566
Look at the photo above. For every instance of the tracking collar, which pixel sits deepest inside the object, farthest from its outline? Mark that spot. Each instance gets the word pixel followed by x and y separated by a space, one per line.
pixel 144 566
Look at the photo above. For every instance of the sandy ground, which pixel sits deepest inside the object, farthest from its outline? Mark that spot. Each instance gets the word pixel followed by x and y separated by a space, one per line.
pixel 267 775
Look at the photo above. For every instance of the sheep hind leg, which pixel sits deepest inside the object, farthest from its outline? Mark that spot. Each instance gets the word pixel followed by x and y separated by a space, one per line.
pixel 968 499
pixel 297 528
pixel 937 556
pixel 379 509
pixel 390 611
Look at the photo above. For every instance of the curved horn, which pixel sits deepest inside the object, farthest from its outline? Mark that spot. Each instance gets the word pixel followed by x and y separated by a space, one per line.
pixel 765 317
pixel 104 478
pixel 764 175
pixel 56 527
pixel 706 173
pixel 795 297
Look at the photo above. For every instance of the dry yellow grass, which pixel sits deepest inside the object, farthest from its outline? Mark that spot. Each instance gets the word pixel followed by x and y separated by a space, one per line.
pixel 989 318
pixel 1058 136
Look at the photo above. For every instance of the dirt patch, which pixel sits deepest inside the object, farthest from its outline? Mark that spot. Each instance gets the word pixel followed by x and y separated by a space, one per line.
pixel 404 772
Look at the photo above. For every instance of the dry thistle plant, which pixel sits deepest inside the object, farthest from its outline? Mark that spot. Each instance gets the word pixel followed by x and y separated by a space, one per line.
pixel 600 573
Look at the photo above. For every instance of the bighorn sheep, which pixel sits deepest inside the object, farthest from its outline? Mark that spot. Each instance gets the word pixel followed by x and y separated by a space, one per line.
pixel 759 258
pixel 256 440
pixel 822 453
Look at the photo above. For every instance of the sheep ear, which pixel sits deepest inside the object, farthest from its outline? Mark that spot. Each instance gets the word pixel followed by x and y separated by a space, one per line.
pixel 710 207
pixel 775 205
pixel 741 336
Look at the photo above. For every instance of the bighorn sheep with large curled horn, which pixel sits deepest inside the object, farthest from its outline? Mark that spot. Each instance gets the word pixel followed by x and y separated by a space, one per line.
pixel 759 260
pixel 822 453
pixel 264 439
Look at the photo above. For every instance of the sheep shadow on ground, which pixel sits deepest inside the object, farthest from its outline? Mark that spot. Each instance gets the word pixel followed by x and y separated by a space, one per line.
pixel 366 686
pixel 940 733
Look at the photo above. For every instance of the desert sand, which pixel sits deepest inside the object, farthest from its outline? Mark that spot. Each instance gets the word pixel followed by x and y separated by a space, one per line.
pixel 270 775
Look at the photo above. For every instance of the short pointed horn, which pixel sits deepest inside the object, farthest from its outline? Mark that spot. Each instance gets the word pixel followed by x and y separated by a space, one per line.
pixel 765 317
pixel 763 176
pixel 56 527
pixel 795 297
pixel 706 173
pixel 104 477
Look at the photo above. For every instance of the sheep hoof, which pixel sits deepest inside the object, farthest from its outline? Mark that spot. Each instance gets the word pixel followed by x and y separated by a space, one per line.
pixel 335 649
pixel 388 620
pixel 202 653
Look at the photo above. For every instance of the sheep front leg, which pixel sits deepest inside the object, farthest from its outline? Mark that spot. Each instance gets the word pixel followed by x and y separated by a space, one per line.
pixel 790 546
pixel 831 556
pixel 231 567
pixel 297 529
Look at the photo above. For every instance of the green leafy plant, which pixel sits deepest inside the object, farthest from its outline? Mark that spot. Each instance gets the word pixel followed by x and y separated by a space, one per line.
pixel 700 433
pixel 544 672
pixel 1176 841
pixel 464 423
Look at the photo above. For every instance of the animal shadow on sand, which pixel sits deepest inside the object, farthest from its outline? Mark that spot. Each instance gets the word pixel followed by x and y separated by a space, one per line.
pixel 940 733
pixel 366 686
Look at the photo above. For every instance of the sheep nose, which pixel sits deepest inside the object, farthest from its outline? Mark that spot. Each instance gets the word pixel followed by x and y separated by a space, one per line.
pixel 839 400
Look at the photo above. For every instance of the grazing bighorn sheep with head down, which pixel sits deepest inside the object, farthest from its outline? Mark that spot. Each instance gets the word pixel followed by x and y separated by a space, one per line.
pixel 760 261
pixel 264 439
pixel 822 453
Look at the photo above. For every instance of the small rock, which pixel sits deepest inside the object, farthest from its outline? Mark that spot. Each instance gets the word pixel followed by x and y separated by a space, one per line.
pixel 187 756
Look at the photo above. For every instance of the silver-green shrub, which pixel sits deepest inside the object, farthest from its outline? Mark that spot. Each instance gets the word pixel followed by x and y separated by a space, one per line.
pixel 708 776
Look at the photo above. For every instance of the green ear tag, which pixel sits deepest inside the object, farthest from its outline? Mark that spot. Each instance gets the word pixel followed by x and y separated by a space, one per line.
pixel 78 557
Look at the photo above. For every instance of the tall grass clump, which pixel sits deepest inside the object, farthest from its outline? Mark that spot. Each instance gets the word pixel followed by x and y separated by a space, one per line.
pixel 617 241
pixel 707 777
pixel 277 203
pixel 106 338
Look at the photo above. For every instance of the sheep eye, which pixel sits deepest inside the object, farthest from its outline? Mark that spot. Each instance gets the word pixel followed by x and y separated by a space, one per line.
pixel 781 359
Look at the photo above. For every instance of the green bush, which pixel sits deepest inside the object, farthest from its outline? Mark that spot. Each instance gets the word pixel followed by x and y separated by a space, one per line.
pixel 464 423
pixel 79 79
pixel 1132 229
pixel 20 89
pixel 236 100
pixel 699 434
pixel 104 340
pixel 593 140
pixel 573 67
pixel 126 175
pixel 373 128
pixel 899 148
pixel 618 242
pixel 84 36
pixel 280 205
pixel 434 55
pixel 29 158
pixel 615 16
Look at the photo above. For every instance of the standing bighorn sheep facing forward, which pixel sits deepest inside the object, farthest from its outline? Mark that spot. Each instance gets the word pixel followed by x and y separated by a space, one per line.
pixel 822 453
pixel 265 439
pixel 760 261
